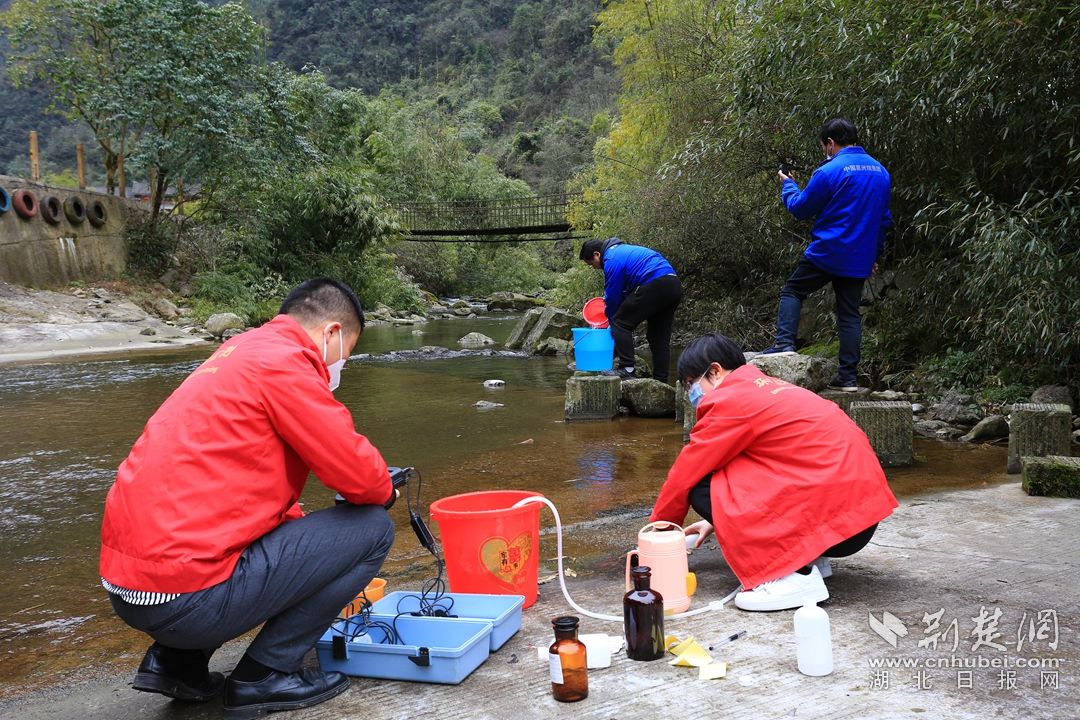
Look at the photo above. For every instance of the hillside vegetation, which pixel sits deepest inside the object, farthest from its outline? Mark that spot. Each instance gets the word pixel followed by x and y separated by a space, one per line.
pixel 671 116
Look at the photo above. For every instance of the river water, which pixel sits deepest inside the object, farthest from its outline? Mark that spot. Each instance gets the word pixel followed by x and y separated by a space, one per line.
pixel 67 426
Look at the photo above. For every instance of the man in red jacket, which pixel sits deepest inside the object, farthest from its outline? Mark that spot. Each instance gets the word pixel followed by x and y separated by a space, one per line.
pixel 203 539
pixel 783 475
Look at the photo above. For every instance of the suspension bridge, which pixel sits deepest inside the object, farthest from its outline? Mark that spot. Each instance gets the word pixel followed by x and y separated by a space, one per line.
pixel 536 218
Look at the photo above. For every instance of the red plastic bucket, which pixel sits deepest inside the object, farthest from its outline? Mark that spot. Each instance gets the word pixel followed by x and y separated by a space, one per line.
pixel 593 312
pixel 489 546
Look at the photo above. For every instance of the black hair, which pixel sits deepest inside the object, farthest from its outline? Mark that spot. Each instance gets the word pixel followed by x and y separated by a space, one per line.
pixel 706 350
pixel 324 299
pixel 841 130
pixel 589 247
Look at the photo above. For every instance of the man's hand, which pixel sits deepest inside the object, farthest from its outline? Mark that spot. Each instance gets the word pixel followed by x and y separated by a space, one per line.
pixel 783 177
pixel 393 499
pixel 702 528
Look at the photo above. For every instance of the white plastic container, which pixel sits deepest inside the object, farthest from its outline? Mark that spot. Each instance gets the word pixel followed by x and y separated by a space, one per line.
pixel 813 641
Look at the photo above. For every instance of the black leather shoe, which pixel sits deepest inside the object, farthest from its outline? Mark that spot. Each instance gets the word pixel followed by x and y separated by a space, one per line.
pixel 281 691
pixel 173 673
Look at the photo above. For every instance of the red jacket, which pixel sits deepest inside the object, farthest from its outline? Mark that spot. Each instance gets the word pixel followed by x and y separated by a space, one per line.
pixel 793 475
pixel 223 461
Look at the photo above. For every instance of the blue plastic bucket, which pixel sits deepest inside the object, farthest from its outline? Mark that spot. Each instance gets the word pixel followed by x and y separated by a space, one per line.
pixel 593 348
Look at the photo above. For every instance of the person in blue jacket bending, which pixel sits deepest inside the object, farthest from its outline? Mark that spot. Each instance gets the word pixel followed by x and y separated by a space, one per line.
pixel 639 285
pixel 849 196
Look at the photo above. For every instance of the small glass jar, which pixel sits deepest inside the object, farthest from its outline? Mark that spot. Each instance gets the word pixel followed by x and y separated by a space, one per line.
pixel 566 661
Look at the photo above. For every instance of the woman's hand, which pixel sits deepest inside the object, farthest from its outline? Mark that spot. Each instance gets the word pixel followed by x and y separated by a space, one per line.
pixel 702 528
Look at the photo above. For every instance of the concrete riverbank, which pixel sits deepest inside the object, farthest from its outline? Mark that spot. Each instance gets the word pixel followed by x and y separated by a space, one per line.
pixel 1004 566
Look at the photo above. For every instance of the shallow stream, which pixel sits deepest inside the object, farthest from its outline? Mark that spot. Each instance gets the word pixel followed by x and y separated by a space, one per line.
pixel 67 426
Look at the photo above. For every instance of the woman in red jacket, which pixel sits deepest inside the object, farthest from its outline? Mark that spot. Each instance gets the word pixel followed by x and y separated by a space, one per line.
pixel 784 477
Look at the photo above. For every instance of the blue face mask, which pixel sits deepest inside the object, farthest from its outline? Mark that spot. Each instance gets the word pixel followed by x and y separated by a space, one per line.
pixel 695 394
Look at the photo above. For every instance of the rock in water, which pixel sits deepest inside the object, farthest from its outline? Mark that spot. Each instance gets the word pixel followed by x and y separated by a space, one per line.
pixel 991 427
pixel 957 409
pixel 522 329
pixel 486 405
pixel 494 383
pixel 550 323
pixel 646 397
pixel 475 339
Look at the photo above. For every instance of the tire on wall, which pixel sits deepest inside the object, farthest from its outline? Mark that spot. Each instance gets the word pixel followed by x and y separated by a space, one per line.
pixel 75 210
pixel 25 204
pixel 96 214
pixel 5 201
pixel 51 209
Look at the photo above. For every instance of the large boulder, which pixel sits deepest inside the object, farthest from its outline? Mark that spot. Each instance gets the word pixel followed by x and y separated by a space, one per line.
pixel 165 309
pixel 218 323
pixel 475 339
pixel 512 302
pixel 551 323
pixel 990 428
pixel 522 329
pixel 380 313
pixel 646 397
pixel 554 346
pixel 1053 395
pixel 957 409
pixel 808 371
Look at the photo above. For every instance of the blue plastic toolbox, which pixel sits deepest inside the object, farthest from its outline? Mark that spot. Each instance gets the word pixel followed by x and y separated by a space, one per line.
pixel 502 611
pixel 432 649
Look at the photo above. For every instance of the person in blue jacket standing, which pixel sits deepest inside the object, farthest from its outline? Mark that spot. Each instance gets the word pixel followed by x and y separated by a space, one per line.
pixel 849 196
pixel 639 285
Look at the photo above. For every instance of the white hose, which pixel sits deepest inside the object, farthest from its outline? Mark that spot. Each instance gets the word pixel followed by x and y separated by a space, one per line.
pixel 714 605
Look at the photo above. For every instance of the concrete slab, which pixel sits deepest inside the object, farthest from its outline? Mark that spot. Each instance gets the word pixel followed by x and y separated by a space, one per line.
pixel 1004 566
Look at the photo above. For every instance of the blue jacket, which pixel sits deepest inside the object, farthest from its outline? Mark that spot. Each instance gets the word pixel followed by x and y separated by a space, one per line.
pixel 627 267
pixel 849 194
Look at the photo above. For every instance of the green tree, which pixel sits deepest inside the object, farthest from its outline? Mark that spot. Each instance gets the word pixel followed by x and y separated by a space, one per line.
pixel 177 86
pixel 67 46
pixel 973 106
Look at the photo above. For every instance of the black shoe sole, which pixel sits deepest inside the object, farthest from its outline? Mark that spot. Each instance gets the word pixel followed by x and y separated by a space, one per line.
pixel 170 687
pixel 247 712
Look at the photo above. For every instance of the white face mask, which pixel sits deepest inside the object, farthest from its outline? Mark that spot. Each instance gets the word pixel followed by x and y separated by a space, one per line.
pixel 335 368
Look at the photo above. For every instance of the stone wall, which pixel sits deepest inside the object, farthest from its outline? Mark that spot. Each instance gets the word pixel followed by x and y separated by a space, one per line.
pixel 37 254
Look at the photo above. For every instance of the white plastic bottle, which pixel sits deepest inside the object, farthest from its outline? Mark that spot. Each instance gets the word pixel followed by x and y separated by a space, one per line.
pixel 813 640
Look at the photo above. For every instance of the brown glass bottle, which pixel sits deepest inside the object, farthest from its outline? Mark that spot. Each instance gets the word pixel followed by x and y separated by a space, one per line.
pixel 643 618
pixel 566 661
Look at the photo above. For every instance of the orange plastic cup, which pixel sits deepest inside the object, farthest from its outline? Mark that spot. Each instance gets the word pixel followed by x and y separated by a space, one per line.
pixel 368 596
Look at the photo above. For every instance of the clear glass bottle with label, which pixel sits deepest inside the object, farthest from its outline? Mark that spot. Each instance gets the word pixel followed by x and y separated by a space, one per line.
pixel 566 661
pixel 643 618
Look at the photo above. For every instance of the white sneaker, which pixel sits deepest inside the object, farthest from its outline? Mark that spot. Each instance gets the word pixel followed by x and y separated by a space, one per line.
pixel 823 566
pixel 792 591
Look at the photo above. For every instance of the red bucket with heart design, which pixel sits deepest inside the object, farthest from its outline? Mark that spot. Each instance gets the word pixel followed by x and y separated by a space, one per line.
pixel 490 547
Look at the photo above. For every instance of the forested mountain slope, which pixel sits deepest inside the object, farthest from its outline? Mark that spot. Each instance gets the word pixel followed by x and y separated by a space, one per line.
pixel 524 78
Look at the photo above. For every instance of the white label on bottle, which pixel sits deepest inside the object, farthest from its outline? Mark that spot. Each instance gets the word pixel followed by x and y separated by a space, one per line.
pixel 555 667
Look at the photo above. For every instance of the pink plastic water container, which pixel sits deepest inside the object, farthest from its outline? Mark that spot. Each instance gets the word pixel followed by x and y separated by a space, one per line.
pixel 662 548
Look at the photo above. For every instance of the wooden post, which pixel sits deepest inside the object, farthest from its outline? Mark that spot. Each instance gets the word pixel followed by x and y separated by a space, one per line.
pixel 35 157
pixel 80 164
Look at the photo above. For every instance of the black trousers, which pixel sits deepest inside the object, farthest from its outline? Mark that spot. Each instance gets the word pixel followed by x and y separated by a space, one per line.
pixel 701 501
pixel 294 580
pixel 654 302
